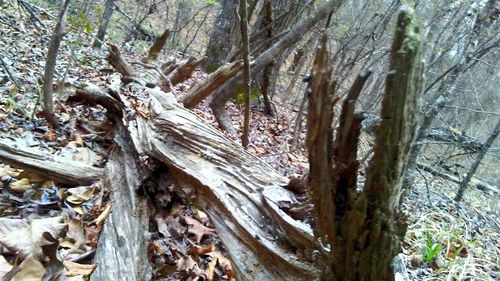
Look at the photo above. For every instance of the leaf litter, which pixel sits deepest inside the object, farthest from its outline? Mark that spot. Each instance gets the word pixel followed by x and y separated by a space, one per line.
pixel 48 229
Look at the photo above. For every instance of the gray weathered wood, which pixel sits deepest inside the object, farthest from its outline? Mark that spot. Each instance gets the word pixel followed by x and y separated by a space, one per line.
pixel 49 166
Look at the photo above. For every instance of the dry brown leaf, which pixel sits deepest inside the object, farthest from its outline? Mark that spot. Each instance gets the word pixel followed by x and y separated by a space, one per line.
pixel 224 263
pixel 75 269
pixel 24 238
pixel 30 270
pixel 50 136
pixel 76 233
pixel 201 250
pixel 186 264
pixel 80 194
pixel 166 270
pixel 210 270
pixel 197 228
pixel 5 267
pixel 6 170
pixel 21 185
pixel 92 235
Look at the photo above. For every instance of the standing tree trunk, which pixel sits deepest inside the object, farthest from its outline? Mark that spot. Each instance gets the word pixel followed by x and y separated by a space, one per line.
pixel 268 70
pixel 50 65
pixel 364 228
pixel 370 224
pixel 246 70
pixel 475 165
pixel 181 20
pixel 220 40
pixel 103 26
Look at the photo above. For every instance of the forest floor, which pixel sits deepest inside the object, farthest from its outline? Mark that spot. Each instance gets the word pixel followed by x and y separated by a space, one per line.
pixel 444 241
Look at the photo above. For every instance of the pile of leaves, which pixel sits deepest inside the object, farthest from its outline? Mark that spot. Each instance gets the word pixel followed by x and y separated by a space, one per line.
pixel 48 230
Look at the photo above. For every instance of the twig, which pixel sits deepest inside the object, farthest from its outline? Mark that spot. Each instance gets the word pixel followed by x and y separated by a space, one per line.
pixel 30 9
pixel 11 76
pixel 473 110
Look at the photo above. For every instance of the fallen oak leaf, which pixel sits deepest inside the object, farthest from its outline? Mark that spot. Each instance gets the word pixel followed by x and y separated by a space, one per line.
pixel 21 185
pixel 197 228
pixel 75 269
pixel 223 262
pixel 19 236
pixel 31 269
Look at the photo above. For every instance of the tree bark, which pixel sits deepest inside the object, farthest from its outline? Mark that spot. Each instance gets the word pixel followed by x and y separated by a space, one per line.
pixel 268 70
pixel 220 41
pixel 319 140
pixel 246 71
pixel 103 26
pixel 238 191
pixel 50 65
pixel 370 224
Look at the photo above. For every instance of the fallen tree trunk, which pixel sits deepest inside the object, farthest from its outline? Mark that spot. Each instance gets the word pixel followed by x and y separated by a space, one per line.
pixel 457 138
pixel 48 166
pixel 240 193
pixel 476 183
pixel 201 90
pixel 181 73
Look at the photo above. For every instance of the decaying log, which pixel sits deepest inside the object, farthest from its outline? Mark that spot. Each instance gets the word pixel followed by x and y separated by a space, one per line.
pixel 121 253
pixel 455 137
pixel 155 49
pixel 371 228
pixel 319 141
pixel 201 90
pixel 120 65
pixel 181 73
pixel 239 192
pixel 49 166
pixel 236 190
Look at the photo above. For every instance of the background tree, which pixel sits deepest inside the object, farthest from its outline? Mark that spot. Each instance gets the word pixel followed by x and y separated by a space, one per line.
pixel 50 65
pixel 104 23
pixel 221 36
pixel 247 75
